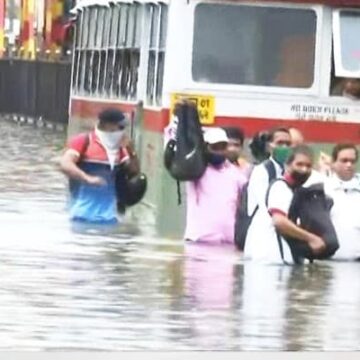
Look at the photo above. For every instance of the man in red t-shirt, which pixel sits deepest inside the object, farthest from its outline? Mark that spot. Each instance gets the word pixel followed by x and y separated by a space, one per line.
pixel 91 161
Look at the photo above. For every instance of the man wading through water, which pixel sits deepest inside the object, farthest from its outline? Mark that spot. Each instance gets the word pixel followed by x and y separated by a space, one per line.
pixel 235 150
pixel 278 146
pixel 343 186
pixel 268 246
pixel 212 197
pixel 91 163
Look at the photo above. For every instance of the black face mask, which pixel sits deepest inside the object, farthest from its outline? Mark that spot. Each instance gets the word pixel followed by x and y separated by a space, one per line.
pixel 216 160
pixel 300 178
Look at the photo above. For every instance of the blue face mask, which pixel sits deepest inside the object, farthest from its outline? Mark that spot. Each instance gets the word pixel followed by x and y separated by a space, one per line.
pixel 216 160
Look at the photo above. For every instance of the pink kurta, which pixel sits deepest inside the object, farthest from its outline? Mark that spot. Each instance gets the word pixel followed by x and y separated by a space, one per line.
pixel 212 203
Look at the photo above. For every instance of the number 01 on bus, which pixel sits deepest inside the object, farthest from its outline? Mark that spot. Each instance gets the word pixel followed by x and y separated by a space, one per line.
pixel 204 103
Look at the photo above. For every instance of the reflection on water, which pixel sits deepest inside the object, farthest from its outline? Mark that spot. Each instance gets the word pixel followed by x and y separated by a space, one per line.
pixel 67 288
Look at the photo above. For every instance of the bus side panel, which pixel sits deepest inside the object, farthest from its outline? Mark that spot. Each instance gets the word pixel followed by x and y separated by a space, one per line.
pixel 162 198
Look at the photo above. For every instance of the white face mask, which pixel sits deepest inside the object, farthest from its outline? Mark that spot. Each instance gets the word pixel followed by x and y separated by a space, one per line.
pixel 110 140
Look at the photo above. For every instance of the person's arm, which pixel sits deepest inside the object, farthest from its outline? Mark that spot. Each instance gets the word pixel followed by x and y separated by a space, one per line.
pixel 287 228
pixel 132 164
pixel 68 165
pixel 324 164
pixel 170 130
pixel 279 201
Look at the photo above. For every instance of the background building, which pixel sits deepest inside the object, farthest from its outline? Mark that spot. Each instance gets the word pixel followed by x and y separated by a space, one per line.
pixel 35 28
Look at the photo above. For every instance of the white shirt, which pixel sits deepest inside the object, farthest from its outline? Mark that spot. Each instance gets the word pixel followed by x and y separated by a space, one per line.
pixel 258 186
pixel 261 241
pixel 345 215
pixel 316 177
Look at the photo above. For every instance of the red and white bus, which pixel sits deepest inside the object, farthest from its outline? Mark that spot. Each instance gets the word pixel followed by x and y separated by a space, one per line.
pixel 253 64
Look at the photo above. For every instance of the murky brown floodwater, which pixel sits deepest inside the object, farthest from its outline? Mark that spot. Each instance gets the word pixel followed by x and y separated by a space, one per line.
pixel 63 289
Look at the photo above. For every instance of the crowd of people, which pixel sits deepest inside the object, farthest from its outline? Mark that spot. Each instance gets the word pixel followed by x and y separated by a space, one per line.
pixel 279 154
pixel 281 163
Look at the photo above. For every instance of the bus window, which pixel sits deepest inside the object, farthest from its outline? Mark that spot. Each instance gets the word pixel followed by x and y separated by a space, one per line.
pixel 150 88
pixel 89 46
pixel 346 87
pixel 131 52
pixel 120 54
pixel 346 29
pixel 77 55
pixel 105 43
pixel 85 28
pixel 161 55
pixel 107 59
pixel 76 70
pixel 134 44
pixel 95 67
pixel 80 48
pixel 252 45
pixel 156 59
pixel 99 27
pixel 123 60
pixel 115 14
pixel 96 58
pixel 110 61
pixel 87 72
pixel 91 28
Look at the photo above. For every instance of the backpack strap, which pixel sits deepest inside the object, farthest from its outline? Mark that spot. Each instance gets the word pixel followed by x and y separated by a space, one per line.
pixel 278 236
pixel 254 212
pixel 178 192
pixel 270 168
pixel 281 249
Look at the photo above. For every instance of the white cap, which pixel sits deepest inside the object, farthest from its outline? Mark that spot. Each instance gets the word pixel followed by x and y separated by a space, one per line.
pixel 215 135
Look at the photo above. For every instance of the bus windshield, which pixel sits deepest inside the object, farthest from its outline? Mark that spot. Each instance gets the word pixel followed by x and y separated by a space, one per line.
pixel 253 45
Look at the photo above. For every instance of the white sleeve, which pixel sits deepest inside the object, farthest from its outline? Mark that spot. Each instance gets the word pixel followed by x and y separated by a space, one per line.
pixel 280 197
pixel 315 178
pixel 329 187
pixel 258 185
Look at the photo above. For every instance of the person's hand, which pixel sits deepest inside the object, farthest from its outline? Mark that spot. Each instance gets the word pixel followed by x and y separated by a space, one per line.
pixel 128 144
pixel 95 180
pixel 316 244
pixel 126 141
pixel 324 163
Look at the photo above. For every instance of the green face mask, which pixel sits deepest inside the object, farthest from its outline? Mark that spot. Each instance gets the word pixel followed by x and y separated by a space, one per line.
pixel 281 153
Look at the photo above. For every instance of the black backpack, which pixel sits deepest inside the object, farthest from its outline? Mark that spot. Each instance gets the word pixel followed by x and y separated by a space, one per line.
pixel 185 157
pixel 310 209
pixel 130 189
pixel 243 219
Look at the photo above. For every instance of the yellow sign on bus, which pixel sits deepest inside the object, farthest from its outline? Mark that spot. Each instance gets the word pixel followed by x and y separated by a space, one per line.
pixel 205 105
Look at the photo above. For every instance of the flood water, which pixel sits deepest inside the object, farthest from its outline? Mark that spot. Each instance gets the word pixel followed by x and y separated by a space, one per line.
pixel 68 289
